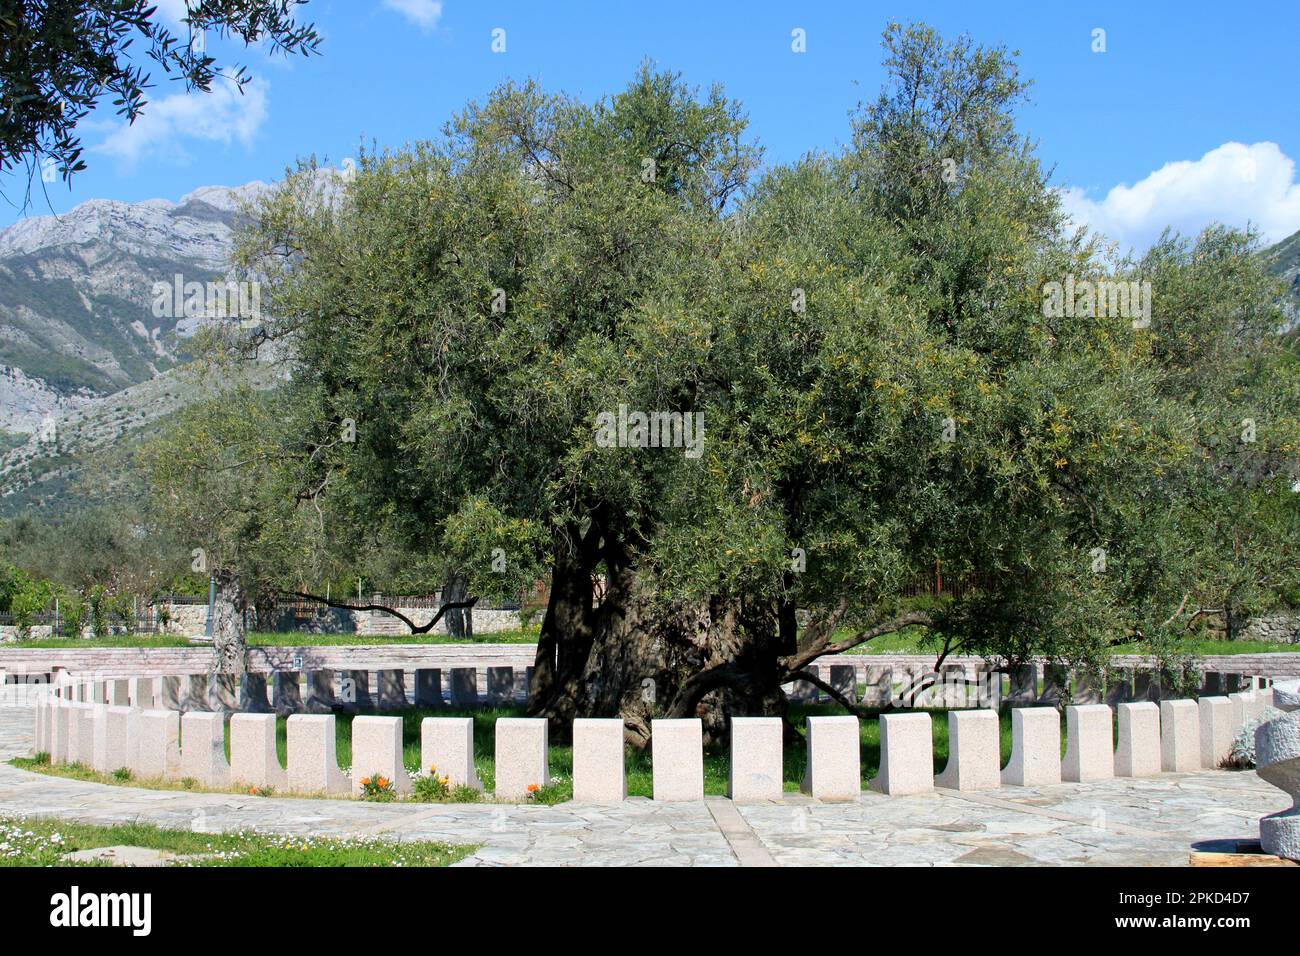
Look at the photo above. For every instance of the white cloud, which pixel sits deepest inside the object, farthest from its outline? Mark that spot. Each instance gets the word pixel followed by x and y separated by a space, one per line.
pixel 1233 184
pixel 165 125
pixel 173 10
pixel 423 13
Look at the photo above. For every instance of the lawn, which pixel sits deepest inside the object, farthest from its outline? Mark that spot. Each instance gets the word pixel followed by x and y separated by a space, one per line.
pixel 638 764
pixel 264 639
pixel 906 642
pixel 44 842
pixel 916 641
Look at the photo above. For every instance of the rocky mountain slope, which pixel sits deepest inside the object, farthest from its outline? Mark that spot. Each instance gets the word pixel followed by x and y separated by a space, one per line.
pixel 77 317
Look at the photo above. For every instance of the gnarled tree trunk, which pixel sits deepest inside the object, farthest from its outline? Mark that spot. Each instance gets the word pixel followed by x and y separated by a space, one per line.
pixel 228 639
pixel 637 658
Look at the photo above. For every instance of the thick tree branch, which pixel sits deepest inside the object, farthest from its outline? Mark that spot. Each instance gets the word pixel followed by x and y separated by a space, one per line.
pixel 415 628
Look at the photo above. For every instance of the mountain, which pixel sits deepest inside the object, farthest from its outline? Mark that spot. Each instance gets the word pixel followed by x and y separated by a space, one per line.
pixel 77 316
pixel 1284 259
pixel 85 363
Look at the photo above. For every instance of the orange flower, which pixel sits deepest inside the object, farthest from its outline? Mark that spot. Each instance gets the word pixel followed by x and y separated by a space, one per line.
pixel 381 783
pixel 533 788
pixel 365 781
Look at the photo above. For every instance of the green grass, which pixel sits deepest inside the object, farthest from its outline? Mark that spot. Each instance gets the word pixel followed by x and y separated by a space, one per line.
pixel 118 640
pixel 906 642
pixel 915 641
pixel 45 842
pixel 296 639
pixel 262 639
pixel 638 764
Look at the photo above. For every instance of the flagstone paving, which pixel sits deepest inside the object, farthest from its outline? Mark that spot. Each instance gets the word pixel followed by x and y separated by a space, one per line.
pixel 1149 822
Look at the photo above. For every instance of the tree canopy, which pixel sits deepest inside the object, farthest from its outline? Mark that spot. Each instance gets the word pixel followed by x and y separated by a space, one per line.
pixel 863 343
pixel 59 60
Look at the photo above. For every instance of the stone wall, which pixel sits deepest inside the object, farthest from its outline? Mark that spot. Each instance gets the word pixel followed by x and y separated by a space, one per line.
pixel 193 619
pixel 9 633
pixel 1279 628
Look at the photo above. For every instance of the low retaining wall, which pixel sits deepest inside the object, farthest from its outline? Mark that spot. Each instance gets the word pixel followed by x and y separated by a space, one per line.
pixel 73 726
pixel 862 669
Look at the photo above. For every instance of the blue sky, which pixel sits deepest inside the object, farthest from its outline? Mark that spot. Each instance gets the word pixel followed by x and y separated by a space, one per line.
pixel 1157 114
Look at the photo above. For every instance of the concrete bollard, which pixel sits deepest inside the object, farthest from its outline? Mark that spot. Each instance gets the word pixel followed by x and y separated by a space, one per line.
pixel 99 739
pixel 354 690
pixel 123 738
pixel 86 734
pixel 974 751
pixel 523 680
pixel 203 749
pixel 677 758
pixel 1215 730
pixel 1024 685
pixel 1087 689
pixel 500 685
pixel 1238 703
pixel 252 693
pixel 377 751
pixel 1056 684
pixel 1089 744
pixel 40 743
pixel 223 693
pixel 906 755
pixel 878 686
pixel 60 730
pixel 1119 686
pixel 286 696
pixel 1035 748
pixel 844 679
pixel 143 692
pixel 195 696
pixel 169 690
pixel 598 773
pixel 756 771
pixel 253 758
pixel 834 767
pixel 990 688
pixel 1180 736
pixel 159 753
pixel 320 693
pixel 391 685
pixel 119 691
pixel 447 744
pixel 428 688
pixel 464 687
pixel 312 752
pixel 521 757
pixel 1146 686
pixel 1138 753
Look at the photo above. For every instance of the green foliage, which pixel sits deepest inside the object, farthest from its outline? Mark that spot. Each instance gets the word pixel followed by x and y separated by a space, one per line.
pixel 430 789
pixel 45 842
pixel 63 59
pixel 882 391
pixel 378 789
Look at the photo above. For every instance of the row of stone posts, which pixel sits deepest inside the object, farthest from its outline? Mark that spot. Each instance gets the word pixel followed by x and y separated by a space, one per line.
pixel 311 692
pixel 153 742
pixel 979 685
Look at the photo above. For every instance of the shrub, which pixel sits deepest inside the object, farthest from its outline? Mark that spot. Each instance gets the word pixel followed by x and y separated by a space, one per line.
pixel 1242 754
pixel 431 788
pixel 378 788
pixel 122 773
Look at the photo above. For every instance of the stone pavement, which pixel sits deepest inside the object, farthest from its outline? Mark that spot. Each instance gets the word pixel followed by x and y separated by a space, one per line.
pixel 1148 822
